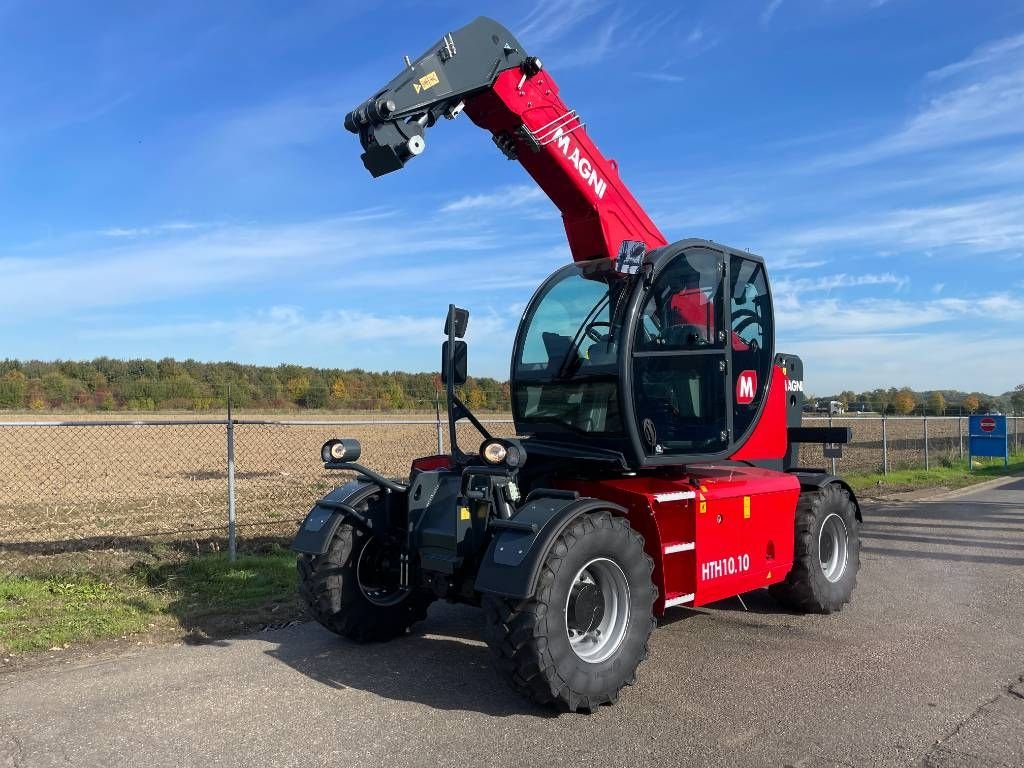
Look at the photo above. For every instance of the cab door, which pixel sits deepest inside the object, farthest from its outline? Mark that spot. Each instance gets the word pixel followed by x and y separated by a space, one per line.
pixel 681 359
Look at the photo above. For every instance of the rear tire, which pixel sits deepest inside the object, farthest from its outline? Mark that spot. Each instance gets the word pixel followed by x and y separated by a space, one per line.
pixel 827 554
pixel 370 611
pixel 581 636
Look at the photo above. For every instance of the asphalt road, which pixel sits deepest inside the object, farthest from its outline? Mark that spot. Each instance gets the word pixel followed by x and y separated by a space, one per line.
pixel 924 667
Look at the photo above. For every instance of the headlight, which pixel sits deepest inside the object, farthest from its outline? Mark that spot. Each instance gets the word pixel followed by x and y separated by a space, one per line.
pixel 507 452
pixel 345 449
pixel 493 452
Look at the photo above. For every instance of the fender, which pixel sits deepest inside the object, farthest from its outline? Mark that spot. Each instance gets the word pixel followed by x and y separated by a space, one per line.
pixel 315 534
pixel 810 480
pixel 512 563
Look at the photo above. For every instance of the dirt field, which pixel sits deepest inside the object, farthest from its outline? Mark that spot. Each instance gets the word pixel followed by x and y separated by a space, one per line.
pixel 88 487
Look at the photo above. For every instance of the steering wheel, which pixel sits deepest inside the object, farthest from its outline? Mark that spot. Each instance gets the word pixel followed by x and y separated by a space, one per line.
pixel 749 317
pixel 595 335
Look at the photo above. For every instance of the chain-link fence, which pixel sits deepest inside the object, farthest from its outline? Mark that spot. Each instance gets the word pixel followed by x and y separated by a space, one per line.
pixel 104 493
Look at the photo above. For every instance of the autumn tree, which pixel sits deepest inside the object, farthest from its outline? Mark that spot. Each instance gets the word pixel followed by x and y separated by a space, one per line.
pixel 1017 398
pixel 338 390
pixel 475 397
pixel 971 403
pixel 937 403
pixel 904 402
pixel 297 387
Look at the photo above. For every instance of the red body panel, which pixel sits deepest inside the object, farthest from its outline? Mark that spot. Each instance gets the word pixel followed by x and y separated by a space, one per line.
pixel 597 209
pixel 769 439
pixel 713 531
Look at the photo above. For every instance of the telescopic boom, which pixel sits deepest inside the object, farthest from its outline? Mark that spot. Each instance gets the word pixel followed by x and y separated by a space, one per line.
pixel 483 70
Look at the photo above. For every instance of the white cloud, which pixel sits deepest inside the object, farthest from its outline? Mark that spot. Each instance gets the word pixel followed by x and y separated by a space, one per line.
pixel 769 11
pixel 153 230
pixel 846 316
pixel 993 223
pixel 832 282
pixel 662 77
pixel 509 197
pixel 549 21
pixel 987 54
pixel 968 361
pixel 987 102
pixel 156 269
pixel 336 338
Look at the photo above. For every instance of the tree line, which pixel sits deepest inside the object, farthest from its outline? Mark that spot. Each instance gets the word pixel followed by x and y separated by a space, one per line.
pixel 939 402
pixel 106 384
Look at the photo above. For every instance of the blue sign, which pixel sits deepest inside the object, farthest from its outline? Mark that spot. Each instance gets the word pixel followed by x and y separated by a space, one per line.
pixel 987 436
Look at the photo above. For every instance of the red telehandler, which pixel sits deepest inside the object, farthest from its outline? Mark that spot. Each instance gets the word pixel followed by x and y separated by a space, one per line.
pixel 658 427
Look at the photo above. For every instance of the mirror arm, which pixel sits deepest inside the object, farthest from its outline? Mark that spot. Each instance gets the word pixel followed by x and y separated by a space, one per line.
pixel 449 389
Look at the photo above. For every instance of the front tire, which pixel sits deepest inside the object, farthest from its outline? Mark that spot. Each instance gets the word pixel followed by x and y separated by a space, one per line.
pixel 827 553
pixel 581 636
pixel 353 591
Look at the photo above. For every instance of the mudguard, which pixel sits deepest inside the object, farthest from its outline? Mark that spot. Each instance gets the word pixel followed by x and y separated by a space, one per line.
pixel 809 480
pixel 512 563
pixel 315 534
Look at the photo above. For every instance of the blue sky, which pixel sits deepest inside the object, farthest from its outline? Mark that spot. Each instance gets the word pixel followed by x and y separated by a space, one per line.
pixel 175 179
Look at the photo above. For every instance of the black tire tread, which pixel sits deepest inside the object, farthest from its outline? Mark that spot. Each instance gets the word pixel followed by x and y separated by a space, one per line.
pixel 800 591
pixel 328 587
pixel 516 629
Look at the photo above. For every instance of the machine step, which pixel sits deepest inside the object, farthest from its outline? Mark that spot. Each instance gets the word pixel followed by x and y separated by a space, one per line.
pixel 678 599
pixel 682 546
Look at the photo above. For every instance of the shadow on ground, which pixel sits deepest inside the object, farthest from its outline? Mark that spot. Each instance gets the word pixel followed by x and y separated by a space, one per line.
pixel 442 664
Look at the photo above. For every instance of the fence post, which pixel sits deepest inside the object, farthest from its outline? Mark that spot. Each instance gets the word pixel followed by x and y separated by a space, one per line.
pixel 960 435
pixel 885 445
pixel 440 433
pixel 926 464
pixel 232 544
pixel 833 459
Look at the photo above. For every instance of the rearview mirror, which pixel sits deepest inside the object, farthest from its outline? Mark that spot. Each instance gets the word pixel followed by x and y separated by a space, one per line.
pixel 456 322
pixel 459 363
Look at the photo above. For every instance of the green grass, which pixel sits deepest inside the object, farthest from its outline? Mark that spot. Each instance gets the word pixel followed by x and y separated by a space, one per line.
pixel 203 593
pixel 952 474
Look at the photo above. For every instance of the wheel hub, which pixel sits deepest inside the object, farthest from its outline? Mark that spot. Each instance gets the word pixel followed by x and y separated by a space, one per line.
pixel 377 575
pixel 586 607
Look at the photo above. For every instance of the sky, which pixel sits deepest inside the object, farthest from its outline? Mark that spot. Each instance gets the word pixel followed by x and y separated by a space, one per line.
pixel 175 179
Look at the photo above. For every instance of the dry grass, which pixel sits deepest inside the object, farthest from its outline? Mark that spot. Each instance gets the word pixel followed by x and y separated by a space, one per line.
pixel 111 488
pixel 132 487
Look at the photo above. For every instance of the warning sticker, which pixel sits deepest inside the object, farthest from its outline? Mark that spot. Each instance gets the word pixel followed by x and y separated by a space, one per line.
pixel 429 80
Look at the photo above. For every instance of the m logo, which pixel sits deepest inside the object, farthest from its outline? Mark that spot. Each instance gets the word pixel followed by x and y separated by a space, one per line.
pixel 746 386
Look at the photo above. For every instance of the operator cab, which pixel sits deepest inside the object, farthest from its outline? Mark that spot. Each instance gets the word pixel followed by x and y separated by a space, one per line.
pixel 670 365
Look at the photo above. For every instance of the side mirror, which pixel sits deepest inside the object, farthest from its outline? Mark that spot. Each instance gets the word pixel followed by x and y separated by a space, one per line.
pixel 456 322
pixel 459 363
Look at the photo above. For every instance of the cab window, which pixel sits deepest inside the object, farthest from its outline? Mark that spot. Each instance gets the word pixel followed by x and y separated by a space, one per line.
pixel 751 339
pixel 679 358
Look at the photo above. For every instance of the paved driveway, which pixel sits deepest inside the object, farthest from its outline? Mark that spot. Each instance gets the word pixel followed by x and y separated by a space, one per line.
pixel 924 667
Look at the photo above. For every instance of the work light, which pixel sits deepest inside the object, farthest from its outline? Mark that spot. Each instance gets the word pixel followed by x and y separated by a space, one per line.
pixel 340 449
pixel 493 451
pixel 505 452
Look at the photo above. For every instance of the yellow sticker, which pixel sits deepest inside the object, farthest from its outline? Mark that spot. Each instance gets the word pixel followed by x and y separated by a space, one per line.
pixel 464 513
pixel 703 507
pixel 746 507
pixel 429 80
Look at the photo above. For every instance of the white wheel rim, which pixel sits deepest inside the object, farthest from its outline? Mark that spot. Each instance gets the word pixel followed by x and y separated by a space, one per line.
pixel 595 644
pixel 833 547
